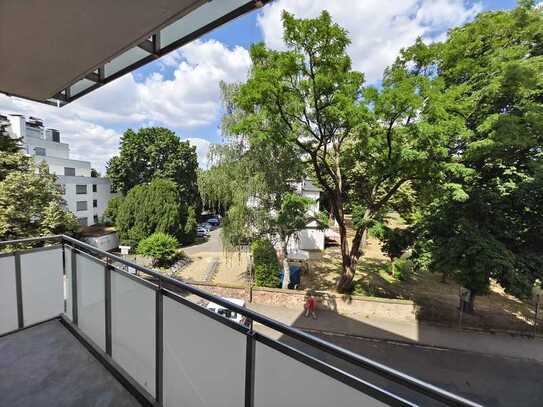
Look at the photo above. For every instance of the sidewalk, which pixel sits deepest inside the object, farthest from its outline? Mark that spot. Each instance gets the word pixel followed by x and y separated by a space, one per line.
pixel 407 332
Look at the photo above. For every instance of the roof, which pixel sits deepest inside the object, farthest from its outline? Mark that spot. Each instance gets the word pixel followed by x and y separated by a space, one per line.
pixel 56 51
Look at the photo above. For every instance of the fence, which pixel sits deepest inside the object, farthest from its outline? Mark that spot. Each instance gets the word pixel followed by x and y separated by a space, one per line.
pixel 170 350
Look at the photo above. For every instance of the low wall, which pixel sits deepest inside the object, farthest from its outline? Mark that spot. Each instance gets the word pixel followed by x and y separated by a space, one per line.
pixel 365 307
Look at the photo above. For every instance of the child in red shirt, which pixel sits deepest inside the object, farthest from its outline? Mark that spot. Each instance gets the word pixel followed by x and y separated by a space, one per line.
pixel 310 306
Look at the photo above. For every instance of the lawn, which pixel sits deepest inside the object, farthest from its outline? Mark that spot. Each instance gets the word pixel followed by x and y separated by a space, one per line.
pixel 436 300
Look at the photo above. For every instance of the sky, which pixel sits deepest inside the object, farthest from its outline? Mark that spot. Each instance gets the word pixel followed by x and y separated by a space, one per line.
pixel 180 91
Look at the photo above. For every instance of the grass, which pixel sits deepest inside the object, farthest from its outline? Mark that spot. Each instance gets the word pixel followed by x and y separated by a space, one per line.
pixel 435 300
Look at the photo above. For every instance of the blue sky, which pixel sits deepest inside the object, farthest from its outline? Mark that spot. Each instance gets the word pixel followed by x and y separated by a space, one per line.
pixel 180 91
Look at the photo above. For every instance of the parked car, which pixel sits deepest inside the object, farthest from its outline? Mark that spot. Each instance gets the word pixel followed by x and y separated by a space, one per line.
pixel 205 225
pixel 214 222
pixel 201 232
pixel 227 313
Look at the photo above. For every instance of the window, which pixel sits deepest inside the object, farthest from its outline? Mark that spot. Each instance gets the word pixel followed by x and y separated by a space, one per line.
pixel 80 189
pixel 94 188
pixel 81 205
pixel 95 219
pixel 69 171
pixel 39 151
pixel 83 221
pixel 95 203
pixel 55 136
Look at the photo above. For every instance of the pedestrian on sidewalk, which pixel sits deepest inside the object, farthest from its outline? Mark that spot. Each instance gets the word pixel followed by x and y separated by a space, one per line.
pixel 311 305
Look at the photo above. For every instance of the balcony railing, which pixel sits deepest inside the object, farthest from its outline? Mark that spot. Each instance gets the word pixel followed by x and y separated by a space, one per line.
pixel 169 350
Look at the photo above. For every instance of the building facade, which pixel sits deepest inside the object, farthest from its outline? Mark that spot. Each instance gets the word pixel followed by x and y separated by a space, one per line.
pixel 85 196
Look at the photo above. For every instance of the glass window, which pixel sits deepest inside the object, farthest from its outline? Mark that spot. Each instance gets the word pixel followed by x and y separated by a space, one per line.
pixel 95 203
pixel 80 189
pixel 95 218
pixel 39 151
pixel 69 171
pixel 83 221
pixel 81 205
pixel 94 188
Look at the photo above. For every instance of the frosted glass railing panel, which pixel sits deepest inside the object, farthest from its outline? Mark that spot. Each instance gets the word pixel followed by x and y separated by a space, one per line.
pixel 133 329
pixel 197 19
pixel 204 361
pixel 91 306
pixel 80 86
pixel 68 282
pixel 125 59
pixel 8 295
pixel 42 283
pixel 281 381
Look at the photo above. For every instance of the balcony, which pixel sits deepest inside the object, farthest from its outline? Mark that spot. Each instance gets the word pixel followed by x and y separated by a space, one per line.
pixel 76 329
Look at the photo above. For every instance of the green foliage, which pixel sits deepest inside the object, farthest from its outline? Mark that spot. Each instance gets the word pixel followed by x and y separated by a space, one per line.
pixel 266 264
pixel 189 231
pixel 395 241
pixel 113 208
pixel 149 208
pixel 31 205
pixel 363 145
pixel 400 269
pixel 484 219
pixel 161 247
pixel 11 158
pixel 155 152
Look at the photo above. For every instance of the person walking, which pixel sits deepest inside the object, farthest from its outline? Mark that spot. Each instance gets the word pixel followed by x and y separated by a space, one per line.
pixel 311 305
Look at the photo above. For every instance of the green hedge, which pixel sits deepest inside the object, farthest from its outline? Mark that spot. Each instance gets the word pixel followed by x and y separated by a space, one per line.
pixel 266 264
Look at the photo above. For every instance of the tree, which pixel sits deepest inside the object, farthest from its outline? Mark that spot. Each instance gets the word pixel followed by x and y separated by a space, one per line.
pixel 485 218
pixel 155 152
pixel 161 247
pixel 362 145
pixel 11 158
pixel 266 264
pixel 31 205
pixel 113 208
pixel 149 208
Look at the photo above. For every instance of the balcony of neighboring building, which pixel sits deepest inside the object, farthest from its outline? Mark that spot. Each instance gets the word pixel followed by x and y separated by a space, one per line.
pixel 79 326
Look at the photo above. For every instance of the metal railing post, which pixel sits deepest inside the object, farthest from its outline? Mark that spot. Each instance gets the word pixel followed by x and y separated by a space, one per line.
pixel 73 260
pixel 19 290
pixel 159 344
pixel 107 289
pixel 250 369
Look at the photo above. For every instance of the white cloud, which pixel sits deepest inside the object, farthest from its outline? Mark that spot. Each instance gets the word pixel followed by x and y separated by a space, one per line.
pixel 378 28
pixel 202 149
pixel 187 99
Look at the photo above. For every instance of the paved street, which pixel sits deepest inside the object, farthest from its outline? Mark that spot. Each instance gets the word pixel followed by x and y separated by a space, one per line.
pixel 211 263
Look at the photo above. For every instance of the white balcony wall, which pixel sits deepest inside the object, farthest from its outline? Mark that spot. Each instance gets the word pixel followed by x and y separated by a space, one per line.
pixel 42 283
pixel 204 360
pixel 282 381
pixel 8 295
pixel 91 298
pixel 133 325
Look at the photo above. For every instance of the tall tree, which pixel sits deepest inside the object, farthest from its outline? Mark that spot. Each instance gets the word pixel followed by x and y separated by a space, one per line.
pixel 155 152
pixel 362 145
pixel 485 218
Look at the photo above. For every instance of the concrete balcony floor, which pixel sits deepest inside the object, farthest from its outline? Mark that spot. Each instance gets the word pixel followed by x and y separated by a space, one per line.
pixel 46 365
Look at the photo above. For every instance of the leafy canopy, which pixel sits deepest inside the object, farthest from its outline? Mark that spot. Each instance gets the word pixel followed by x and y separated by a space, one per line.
pixel 154 152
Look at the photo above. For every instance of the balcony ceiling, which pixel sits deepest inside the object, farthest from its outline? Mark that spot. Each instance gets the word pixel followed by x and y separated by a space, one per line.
pixel 57 50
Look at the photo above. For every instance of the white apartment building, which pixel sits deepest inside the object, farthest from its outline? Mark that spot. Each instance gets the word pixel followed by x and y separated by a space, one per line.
pixel 85 196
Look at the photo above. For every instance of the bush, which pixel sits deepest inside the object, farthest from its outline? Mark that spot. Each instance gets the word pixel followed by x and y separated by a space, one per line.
pixel 161 247
pixel 113 208
pixel 266 264
pixel 401 269
pixel 149 208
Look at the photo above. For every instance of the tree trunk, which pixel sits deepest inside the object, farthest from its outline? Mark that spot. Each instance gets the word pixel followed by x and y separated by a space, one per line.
pixel 286 268
pixel 350 261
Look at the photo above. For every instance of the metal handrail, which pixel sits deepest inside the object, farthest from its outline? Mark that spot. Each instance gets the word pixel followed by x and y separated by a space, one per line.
pixel 396 376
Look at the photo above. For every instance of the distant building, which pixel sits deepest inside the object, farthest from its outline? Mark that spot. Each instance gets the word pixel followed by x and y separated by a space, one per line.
pixel 85 196
pixel 311 238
